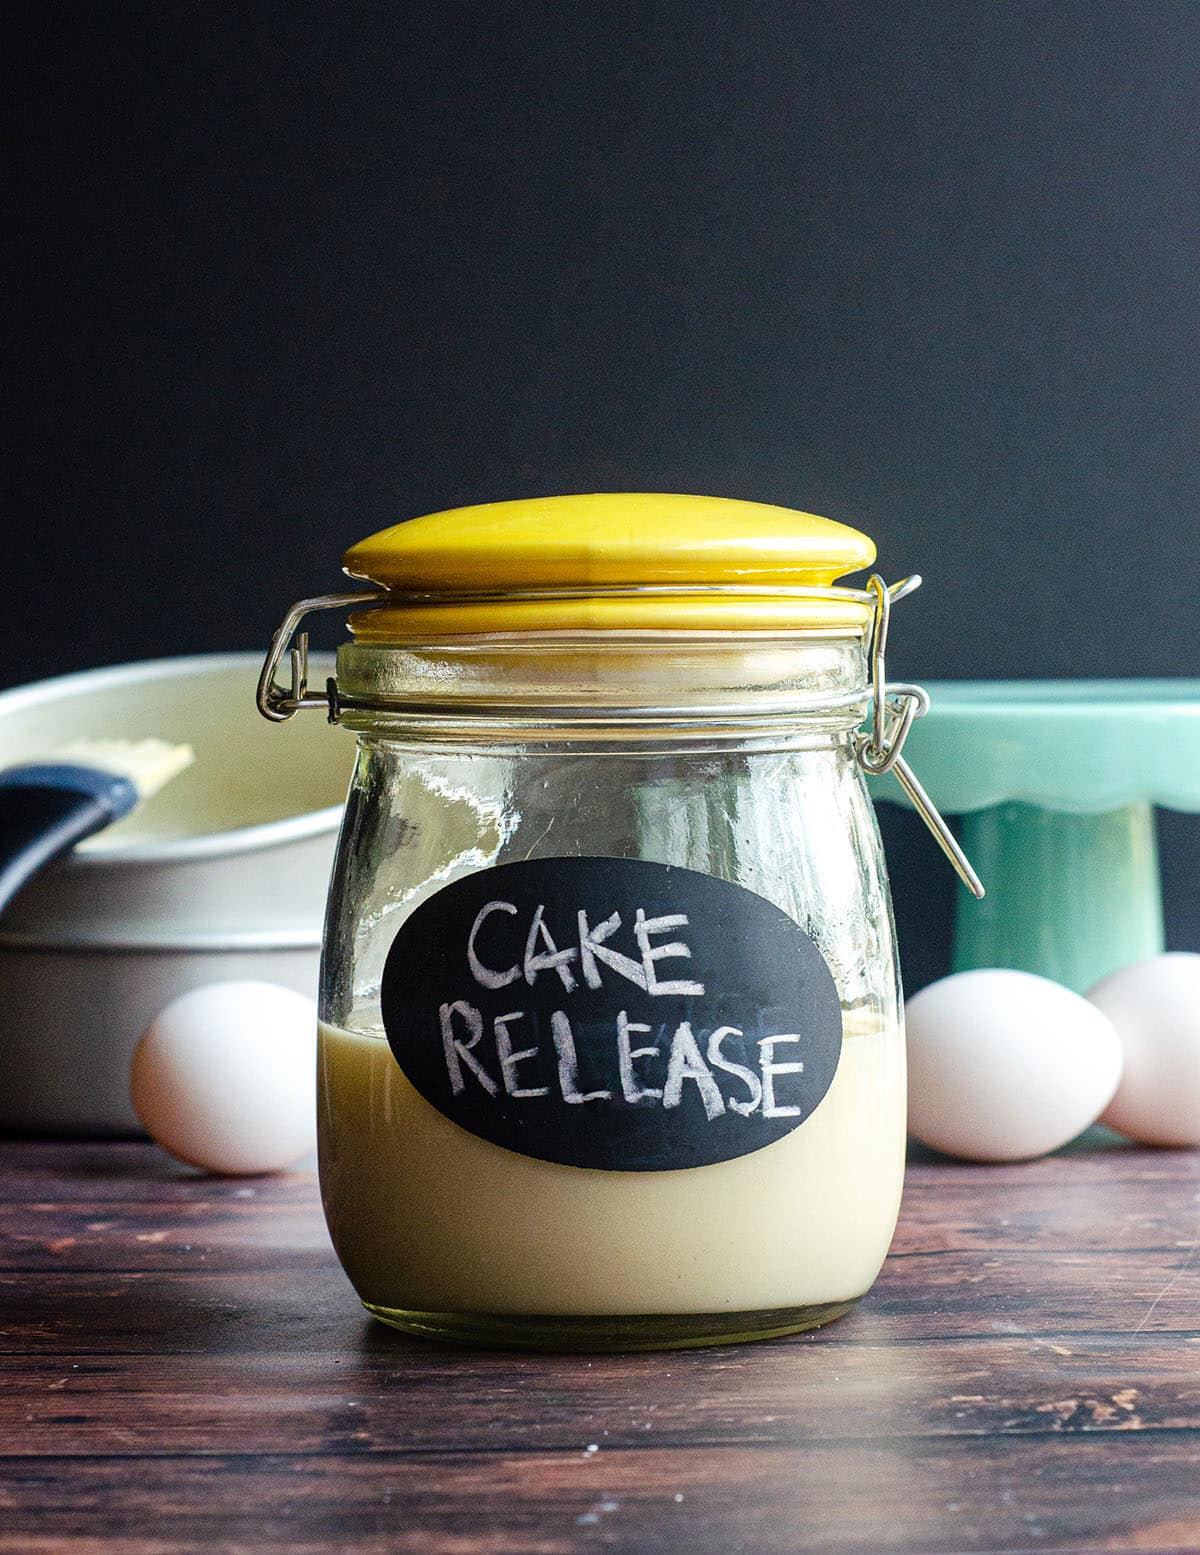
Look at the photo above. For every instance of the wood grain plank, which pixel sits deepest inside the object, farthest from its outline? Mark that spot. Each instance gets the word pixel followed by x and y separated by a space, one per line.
pixel 1054 1298
pixel 127 1172
pixel 777 1395
pixel 942 1498
pixel 259 1232
pixel 231 1234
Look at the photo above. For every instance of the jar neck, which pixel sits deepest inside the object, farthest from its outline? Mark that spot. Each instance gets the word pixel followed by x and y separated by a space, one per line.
pixel 668 688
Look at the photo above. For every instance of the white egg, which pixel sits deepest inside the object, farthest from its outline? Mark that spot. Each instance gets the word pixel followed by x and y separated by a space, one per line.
pixel 1004 1066
pixel 1155 1006
pixel 225 1077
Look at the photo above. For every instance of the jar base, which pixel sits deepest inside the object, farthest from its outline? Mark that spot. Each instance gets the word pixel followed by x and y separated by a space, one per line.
pixel 656 1331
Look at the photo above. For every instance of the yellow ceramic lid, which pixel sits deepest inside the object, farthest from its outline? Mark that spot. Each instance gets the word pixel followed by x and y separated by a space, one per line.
pixel 611 561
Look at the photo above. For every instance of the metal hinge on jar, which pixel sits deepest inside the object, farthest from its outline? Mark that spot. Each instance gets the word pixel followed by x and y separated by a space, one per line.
pixel 895 708
pixel 278 703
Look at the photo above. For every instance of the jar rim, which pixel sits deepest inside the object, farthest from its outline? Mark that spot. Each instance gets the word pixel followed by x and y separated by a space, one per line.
pixel 605 681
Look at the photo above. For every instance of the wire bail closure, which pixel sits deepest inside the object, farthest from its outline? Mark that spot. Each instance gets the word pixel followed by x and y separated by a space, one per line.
pixel 274 702
pixel 895 707
pixel 894 710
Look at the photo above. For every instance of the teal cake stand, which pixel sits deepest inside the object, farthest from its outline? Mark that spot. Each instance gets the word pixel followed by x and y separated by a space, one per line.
pixel 1055 783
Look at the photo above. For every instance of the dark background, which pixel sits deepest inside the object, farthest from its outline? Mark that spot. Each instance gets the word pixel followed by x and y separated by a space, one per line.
pixel 285 274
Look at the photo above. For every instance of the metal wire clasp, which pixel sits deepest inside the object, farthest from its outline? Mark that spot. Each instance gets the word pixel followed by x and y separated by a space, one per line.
pixel 278 704
pixel 894 710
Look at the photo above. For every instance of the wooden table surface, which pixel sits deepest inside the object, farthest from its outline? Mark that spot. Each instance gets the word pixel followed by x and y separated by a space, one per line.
pixel 185 1369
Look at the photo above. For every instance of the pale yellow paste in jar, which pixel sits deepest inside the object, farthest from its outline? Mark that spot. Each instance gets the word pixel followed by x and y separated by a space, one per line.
pixel 427 1217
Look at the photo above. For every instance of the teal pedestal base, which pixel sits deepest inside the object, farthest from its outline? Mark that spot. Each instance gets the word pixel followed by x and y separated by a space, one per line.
pixel 1071 897
pixel 1054 783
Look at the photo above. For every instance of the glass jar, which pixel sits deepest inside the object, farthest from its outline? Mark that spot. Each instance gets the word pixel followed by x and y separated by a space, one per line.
pixel 611 1050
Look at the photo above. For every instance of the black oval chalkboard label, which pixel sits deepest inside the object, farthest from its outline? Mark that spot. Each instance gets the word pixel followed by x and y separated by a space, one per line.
pixel 612 1013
